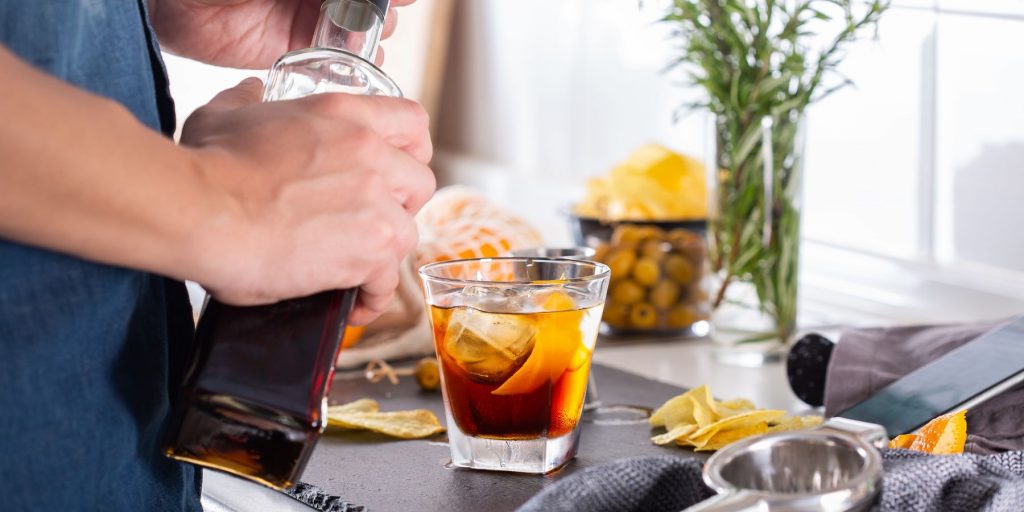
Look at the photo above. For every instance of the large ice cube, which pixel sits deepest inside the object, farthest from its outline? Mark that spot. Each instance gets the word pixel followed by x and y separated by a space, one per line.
pixel 494 299
pixel 489 346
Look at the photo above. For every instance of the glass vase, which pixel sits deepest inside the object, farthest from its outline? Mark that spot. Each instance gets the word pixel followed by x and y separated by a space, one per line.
pixel 755 201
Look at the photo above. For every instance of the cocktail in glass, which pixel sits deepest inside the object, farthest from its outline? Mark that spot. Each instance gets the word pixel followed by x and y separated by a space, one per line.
pixel 514 338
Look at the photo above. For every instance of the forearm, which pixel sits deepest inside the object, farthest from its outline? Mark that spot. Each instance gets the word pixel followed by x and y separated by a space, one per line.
pixel 80 175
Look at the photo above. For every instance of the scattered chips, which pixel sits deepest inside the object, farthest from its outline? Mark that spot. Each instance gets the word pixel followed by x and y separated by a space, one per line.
pixel 727 437
pixel 678 432
pixel 365 414
pixel 361 405
pixel 791 423
pixel 653 183
pixel 696 419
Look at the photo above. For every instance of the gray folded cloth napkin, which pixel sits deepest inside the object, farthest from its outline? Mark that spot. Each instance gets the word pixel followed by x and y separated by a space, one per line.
pixel 866 360
pixel 649 484
pixel 918 482
pixel 913 482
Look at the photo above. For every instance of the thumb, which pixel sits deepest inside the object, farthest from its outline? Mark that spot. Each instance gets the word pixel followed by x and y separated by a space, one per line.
pixel 247 92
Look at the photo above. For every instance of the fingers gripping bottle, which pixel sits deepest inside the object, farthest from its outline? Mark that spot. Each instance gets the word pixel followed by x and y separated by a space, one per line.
pixel 253 399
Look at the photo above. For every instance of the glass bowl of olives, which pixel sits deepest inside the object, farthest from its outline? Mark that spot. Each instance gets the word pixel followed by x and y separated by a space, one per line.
pixel 658 282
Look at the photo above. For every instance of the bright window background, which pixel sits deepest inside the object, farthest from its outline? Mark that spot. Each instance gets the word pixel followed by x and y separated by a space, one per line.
pixel 980 135
pixel 913 178
pixel 914 183
pixel 866 144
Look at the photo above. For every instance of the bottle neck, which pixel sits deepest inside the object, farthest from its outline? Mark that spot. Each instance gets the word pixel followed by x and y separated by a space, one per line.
pixel 353 26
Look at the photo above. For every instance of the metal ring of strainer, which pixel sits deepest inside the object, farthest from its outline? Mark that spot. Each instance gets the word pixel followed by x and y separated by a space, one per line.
pixel 827 469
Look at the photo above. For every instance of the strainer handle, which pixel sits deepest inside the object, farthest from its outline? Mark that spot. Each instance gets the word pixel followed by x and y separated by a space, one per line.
pixel 734 502
pixel 870 433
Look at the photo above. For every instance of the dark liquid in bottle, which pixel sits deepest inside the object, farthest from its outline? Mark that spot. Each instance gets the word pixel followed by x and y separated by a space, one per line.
pixel 251 403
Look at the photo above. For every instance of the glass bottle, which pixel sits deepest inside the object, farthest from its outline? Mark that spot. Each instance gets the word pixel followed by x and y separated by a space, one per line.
pixel 253 401
pixel 341 57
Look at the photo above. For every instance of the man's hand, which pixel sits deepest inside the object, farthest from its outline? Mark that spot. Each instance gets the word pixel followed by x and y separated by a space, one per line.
pixel 241 33
pixel 322 193
pixel 262 202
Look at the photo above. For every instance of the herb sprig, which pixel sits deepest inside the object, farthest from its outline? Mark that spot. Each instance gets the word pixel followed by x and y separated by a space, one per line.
pixel 760 64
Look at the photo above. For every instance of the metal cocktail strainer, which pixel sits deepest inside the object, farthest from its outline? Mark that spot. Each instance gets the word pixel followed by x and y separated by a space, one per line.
pixel 836 467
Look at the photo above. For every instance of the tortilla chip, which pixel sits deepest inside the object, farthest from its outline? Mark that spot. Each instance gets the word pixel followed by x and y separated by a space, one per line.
pixel 734 407
pixel 402 424
pixel 364 414
pixel 696 419
pixel 724 438
pixel 674 435
pixel 703 414
pixel 677 410
pixel 706 400
pixel 361 405
pixel 791 423
pixel 738 422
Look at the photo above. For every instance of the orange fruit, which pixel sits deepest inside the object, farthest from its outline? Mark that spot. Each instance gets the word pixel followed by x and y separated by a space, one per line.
pixel 352 335
pixel 556 345
pixel 460 223
pixel 943 435
pixel 558 301
pixel 903 441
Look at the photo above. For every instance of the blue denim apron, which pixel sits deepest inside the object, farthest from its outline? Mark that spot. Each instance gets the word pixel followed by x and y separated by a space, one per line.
pixel 89 352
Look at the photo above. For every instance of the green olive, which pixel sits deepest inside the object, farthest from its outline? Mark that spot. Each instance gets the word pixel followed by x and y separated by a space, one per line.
pixel 648 233
pixel 679 268
pixel 664 294
pixel 646 271
pixel 627 234
pixel 627 292
pixel 621 263
pixel 691 246
pixel 654 249
pixel 427 374
pixel 680 237
pixel 681 316
pixel 616 314
pixel 643 316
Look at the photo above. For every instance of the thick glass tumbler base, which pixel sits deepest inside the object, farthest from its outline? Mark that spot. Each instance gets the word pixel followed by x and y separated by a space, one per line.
pixel 536 456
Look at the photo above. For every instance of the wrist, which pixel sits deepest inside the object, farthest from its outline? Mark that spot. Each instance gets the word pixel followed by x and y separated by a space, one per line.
pixel 217 231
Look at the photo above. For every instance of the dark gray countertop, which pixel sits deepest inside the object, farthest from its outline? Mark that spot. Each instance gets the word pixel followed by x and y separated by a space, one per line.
pixel 369 469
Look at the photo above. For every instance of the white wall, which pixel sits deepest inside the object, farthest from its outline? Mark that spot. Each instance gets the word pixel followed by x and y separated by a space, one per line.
pixel 560 89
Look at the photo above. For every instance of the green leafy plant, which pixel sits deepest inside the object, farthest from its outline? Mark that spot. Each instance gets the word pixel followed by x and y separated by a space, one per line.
pixel 760 64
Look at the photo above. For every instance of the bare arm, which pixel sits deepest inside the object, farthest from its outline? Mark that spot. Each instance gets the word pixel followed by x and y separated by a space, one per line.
pixel 264 201
pixel 81 175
